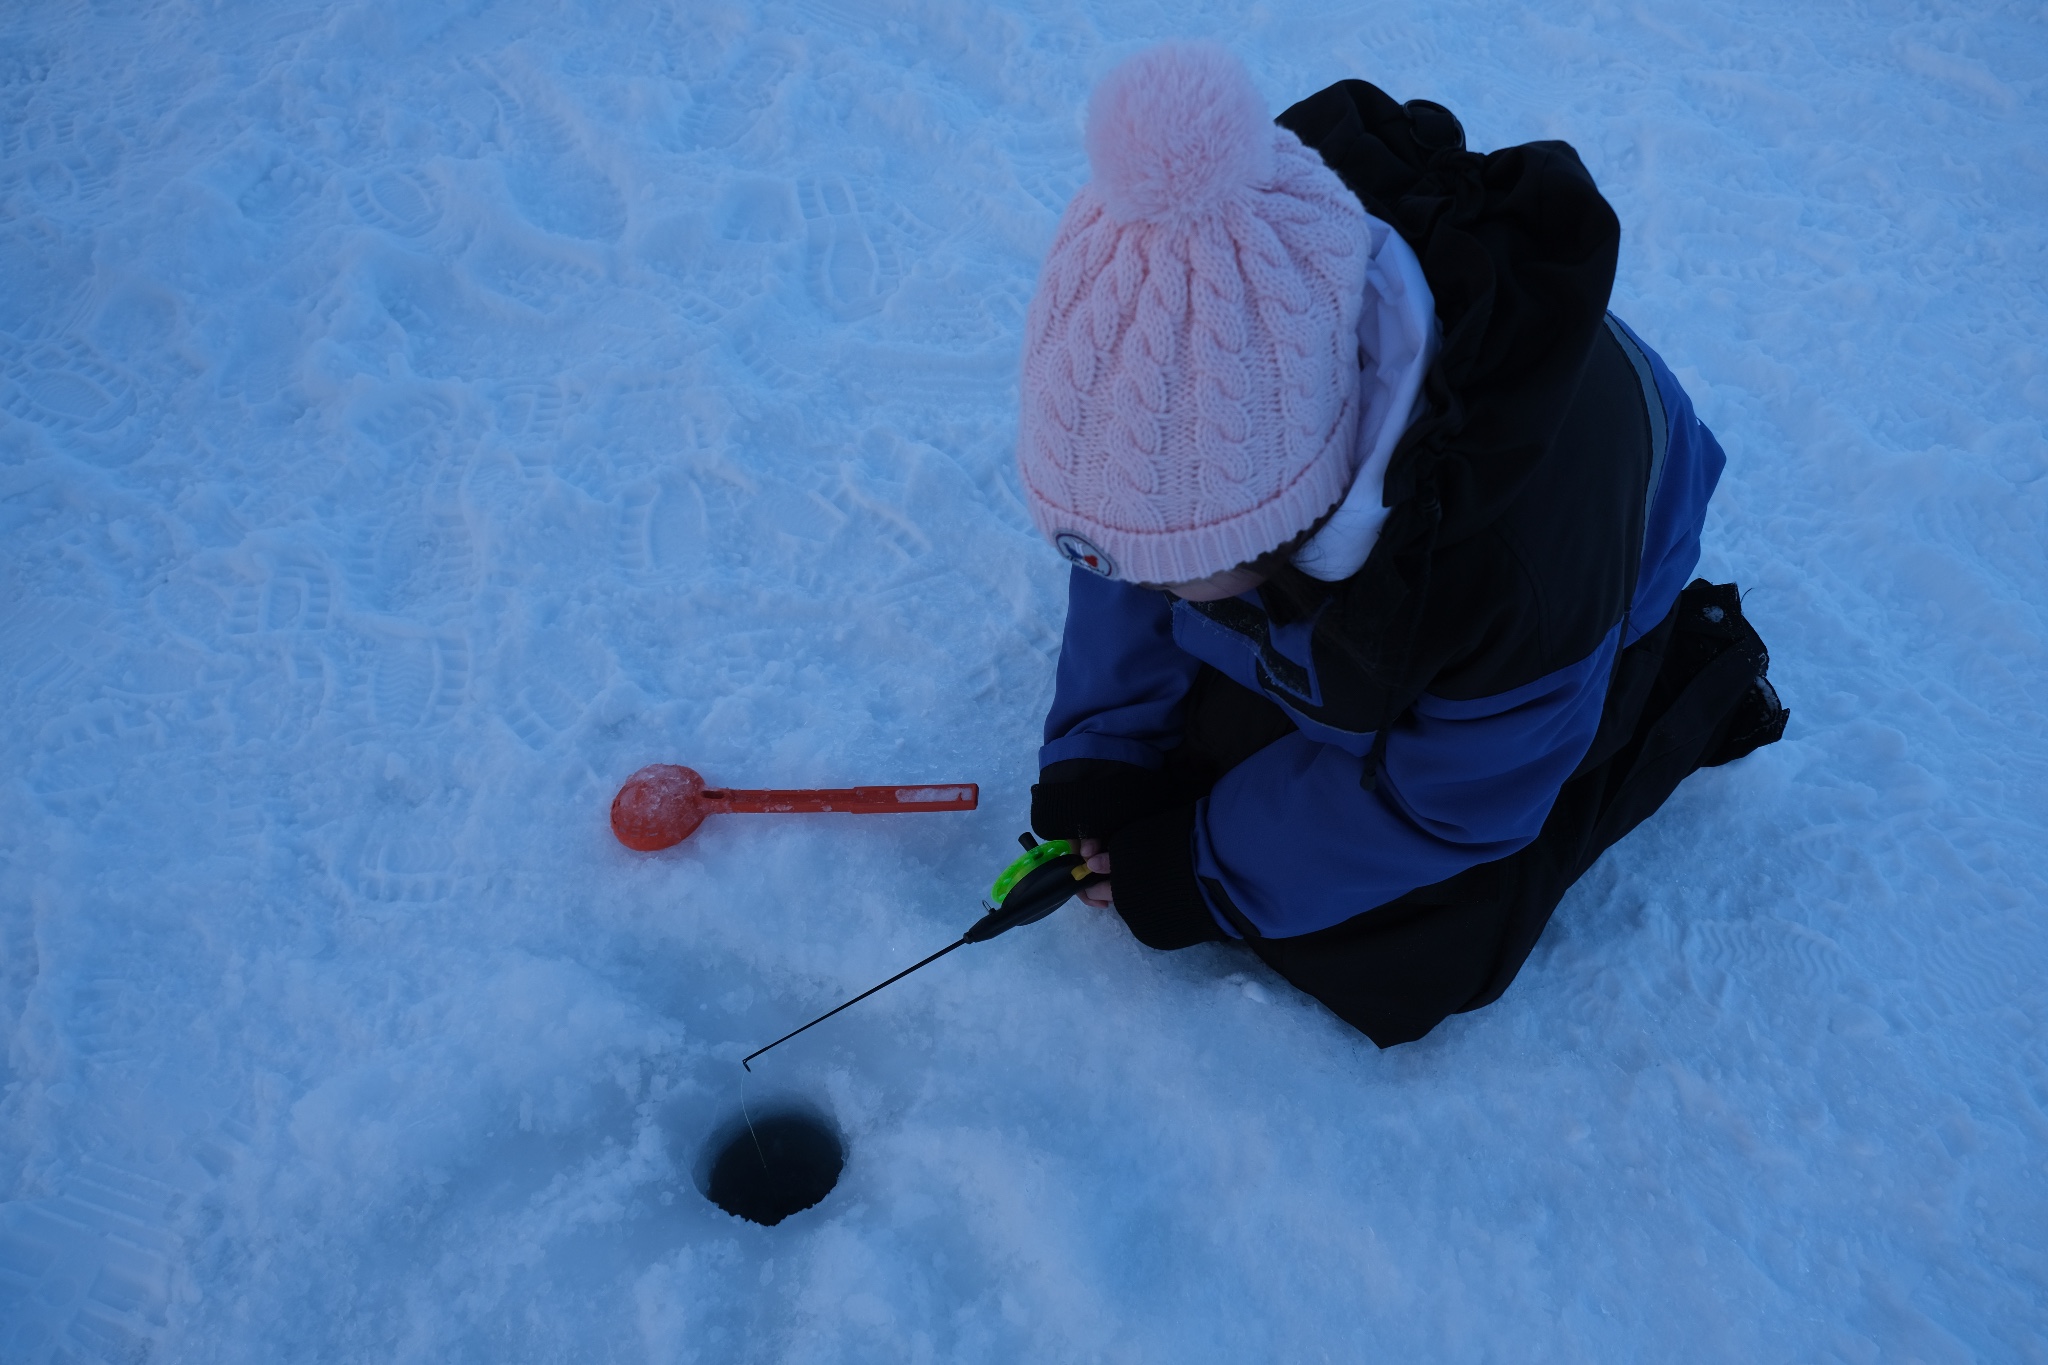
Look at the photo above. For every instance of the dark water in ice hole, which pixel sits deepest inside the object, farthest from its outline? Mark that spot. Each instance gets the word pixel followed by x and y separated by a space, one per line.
pixel 795 1163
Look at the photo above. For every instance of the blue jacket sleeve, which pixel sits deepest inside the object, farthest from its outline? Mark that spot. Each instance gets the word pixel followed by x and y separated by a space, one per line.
pixel 1123 683
pixel 1298 845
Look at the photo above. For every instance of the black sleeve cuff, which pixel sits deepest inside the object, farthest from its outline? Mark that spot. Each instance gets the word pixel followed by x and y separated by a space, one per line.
pixel 1153 879
pixel 1094 798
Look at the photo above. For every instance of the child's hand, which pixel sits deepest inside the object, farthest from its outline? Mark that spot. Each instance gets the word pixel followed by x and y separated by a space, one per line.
pixel 1098 861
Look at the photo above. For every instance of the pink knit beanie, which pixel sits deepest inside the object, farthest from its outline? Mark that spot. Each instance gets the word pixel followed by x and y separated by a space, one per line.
pixel 1191 363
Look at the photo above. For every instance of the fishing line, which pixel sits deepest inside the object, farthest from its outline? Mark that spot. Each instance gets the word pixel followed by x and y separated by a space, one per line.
pixel 750 1120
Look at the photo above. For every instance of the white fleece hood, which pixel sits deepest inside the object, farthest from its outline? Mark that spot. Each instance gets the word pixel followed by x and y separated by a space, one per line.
pixel 1397 338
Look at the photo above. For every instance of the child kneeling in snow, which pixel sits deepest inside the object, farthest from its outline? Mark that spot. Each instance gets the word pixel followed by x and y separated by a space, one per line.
pixel 1378 630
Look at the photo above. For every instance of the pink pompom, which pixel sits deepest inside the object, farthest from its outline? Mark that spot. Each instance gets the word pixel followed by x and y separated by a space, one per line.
pixel 1175 131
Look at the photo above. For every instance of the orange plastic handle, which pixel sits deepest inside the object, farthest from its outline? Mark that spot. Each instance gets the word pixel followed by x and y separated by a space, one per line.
pixel 850 800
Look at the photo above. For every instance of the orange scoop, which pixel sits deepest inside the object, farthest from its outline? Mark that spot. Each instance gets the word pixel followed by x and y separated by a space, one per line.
pixel 663 803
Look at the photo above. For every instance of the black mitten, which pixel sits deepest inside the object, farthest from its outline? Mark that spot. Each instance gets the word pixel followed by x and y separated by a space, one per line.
pixel 1093 798
pixel 1153 880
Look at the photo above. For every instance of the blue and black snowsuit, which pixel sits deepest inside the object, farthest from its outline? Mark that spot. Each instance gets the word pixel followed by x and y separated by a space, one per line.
pixel 1383 786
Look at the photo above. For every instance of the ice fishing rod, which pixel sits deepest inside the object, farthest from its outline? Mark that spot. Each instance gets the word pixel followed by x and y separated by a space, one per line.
pixel 1028 890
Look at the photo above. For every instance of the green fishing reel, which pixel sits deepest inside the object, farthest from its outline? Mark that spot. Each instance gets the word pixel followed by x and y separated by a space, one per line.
pixel 1032 887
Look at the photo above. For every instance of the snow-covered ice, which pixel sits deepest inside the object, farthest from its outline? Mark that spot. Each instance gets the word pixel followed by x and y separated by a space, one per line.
pixel 416 417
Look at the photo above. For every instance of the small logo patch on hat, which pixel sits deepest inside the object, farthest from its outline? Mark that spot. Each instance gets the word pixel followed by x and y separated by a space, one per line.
pixel 1080 552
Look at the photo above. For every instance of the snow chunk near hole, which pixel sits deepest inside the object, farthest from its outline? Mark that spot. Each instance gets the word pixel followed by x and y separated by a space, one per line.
pixel 1175 131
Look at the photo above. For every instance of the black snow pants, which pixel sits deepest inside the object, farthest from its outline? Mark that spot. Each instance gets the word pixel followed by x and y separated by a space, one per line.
pixel 1691 693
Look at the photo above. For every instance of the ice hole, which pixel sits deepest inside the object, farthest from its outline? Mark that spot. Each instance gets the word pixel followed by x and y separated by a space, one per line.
pixel 785 1162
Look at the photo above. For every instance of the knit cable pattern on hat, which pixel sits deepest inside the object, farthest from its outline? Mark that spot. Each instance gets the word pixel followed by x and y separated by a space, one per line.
pixel 1191 372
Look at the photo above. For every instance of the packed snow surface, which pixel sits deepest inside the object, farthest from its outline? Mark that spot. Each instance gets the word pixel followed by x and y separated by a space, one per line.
pixel 415 417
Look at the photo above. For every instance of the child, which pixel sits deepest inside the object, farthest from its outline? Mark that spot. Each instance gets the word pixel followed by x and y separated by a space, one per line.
pixel 1378 630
